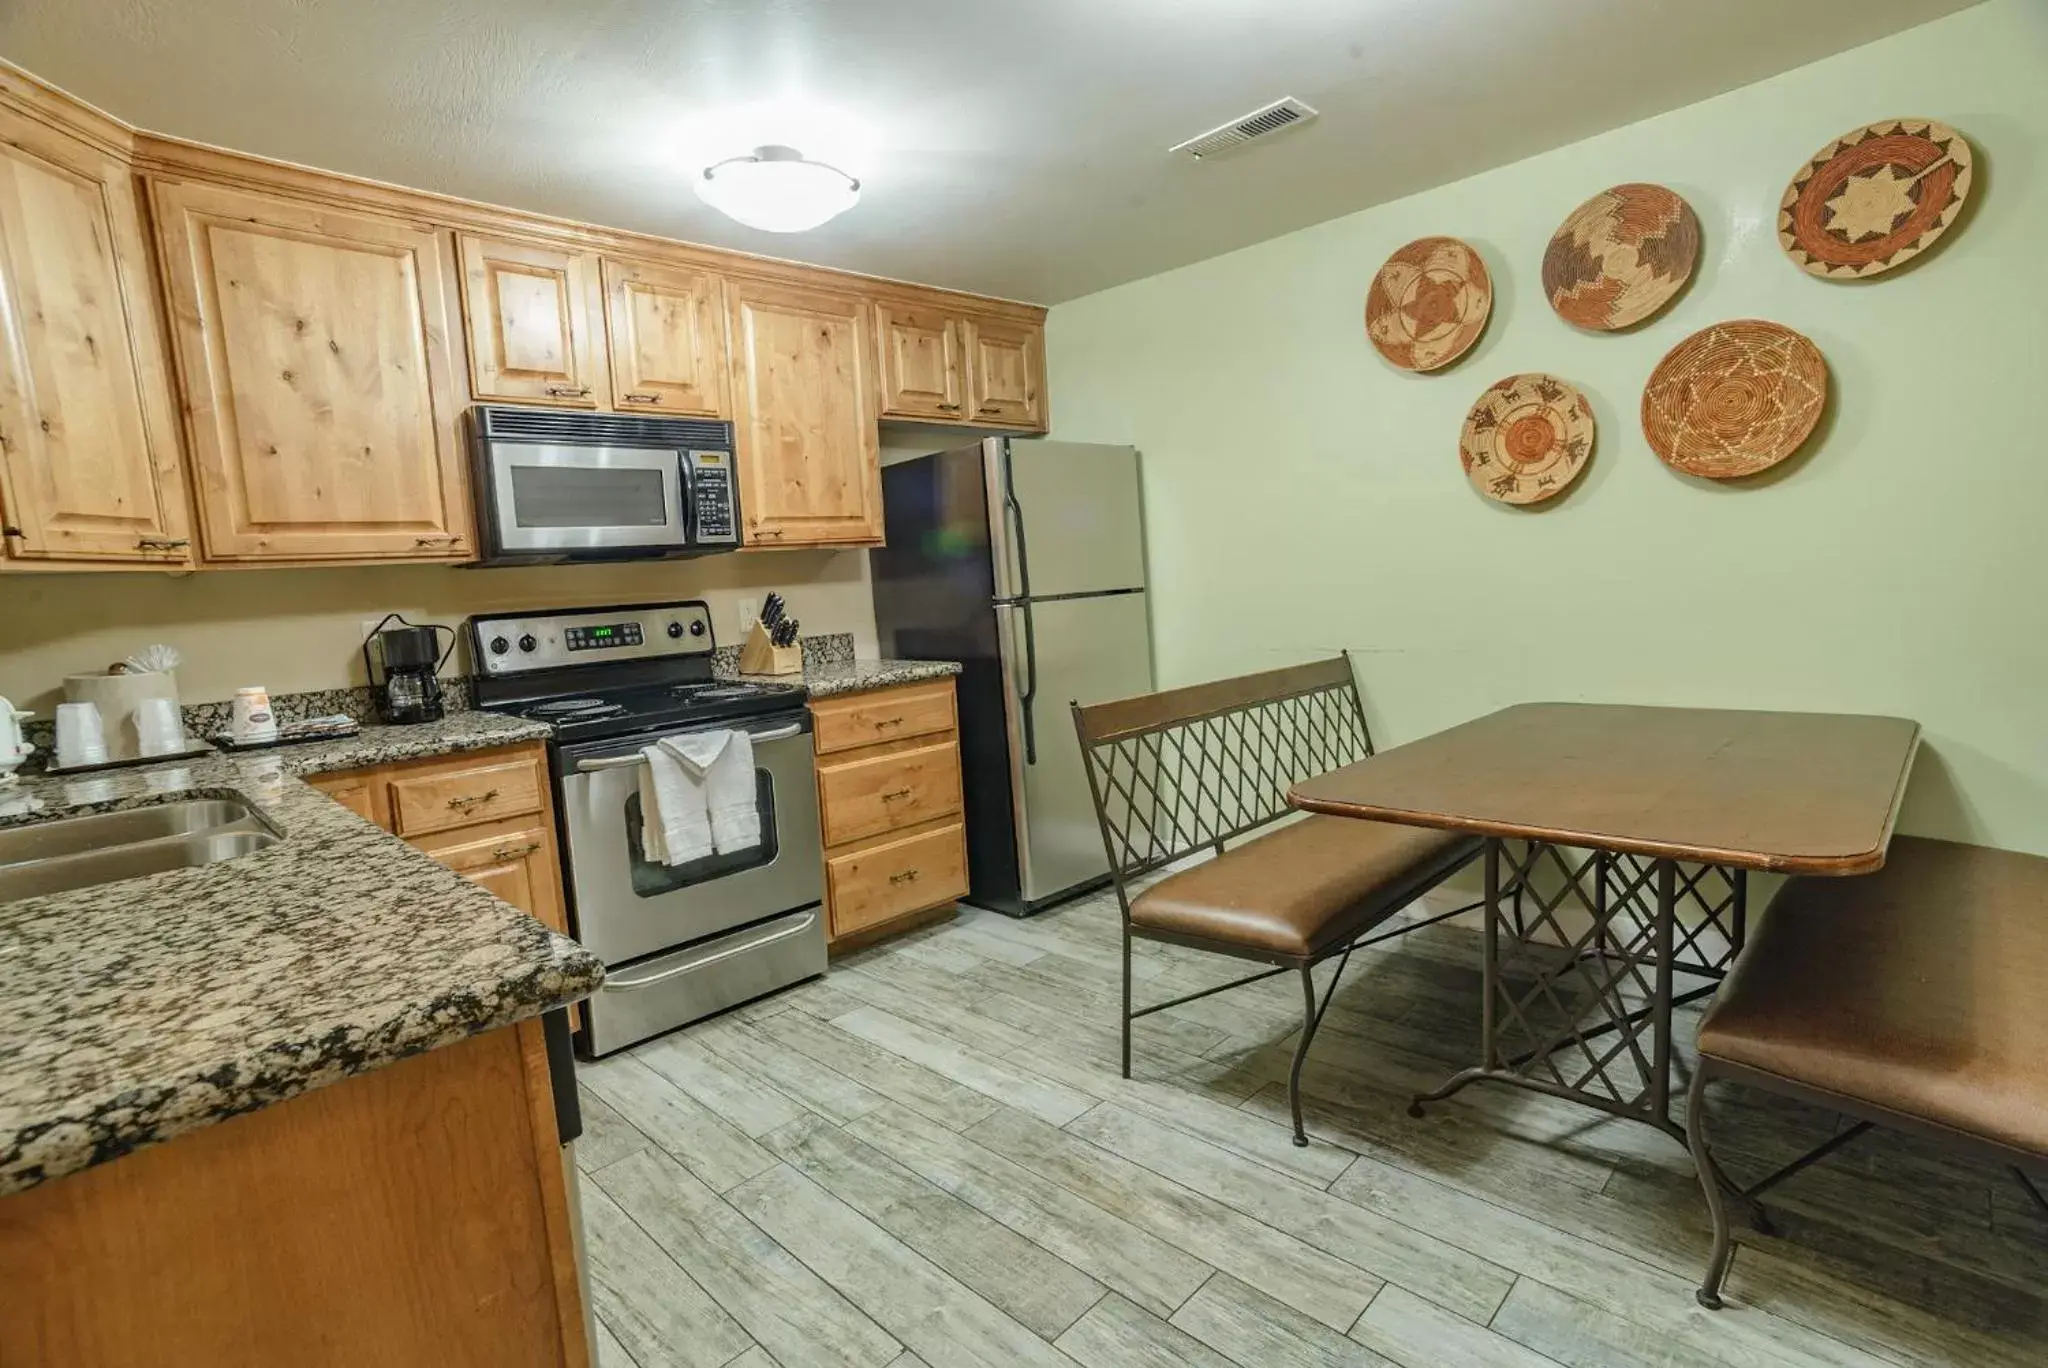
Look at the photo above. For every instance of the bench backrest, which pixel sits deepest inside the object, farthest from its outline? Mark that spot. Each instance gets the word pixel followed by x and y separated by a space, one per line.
pixel 1185 770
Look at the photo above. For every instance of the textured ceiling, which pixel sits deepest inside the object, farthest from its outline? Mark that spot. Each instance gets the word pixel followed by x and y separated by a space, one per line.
pixel 1013 147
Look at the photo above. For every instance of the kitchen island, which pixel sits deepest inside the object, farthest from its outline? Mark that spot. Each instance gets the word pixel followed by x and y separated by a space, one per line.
pixel 294 1106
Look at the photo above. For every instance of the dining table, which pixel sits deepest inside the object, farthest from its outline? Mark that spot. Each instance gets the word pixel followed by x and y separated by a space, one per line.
pixel 1618 844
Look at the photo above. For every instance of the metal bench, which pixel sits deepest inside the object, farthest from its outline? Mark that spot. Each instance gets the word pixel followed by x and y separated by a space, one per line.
pixel 1200 770
pixel 1909 998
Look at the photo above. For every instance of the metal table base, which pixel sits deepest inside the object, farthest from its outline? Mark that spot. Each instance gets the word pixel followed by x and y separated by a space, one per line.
pixel 1583 1012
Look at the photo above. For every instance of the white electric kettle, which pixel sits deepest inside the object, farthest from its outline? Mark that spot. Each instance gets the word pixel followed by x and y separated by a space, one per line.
pixel 14 747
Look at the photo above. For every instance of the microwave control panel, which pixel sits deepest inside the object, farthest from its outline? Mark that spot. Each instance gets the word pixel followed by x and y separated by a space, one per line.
pixel 714 504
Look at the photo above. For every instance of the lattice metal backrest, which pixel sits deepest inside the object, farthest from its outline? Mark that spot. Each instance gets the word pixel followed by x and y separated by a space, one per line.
pixel 1185 770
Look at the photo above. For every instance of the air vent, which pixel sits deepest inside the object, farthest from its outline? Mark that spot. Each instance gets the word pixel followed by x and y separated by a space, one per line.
pixel 504 422
pixel 1260 123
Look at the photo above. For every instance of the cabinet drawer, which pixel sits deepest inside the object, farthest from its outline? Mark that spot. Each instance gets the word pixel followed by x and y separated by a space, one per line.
pixel 885 715
pixel 866 797
pixel 440 800
pixel 894 880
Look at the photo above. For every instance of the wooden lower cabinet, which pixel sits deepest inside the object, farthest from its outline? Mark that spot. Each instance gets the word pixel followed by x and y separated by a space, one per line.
pixel 417 1214
pixel 487 815
pixel 889 803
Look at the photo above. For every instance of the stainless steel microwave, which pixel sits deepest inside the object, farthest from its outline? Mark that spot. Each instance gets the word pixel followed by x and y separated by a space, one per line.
pixel 554 486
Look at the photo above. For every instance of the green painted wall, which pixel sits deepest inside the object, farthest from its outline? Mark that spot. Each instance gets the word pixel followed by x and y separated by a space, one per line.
pixel 1302 496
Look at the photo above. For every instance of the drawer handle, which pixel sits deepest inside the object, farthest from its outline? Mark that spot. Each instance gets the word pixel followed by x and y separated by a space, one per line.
pixel 464 804
pixel 894 794
pixel 907 876
pixel 882 722
pixel 641 398
pixel 507 854
pixel 950 408
pixel 162 543
pixel 568 391
pixel 437 539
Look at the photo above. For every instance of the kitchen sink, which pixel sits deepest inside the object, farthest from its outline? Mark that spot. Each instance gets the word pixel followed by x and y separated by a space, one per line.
pixel 84 852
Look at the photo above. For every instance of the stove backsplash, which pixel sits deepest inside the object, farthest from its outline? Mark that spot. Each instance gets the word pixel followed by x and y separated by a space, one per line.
pixel 204 720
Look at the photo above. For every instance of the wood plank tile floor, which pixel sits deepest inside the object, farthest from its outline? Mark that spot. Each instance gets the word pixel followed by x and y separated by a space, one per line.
pixel 927 1159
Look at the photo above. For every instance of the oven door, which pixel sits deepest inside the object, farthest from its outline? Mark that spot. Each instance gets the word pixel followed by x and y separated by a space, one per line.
pixel 628 907
pixel 547 499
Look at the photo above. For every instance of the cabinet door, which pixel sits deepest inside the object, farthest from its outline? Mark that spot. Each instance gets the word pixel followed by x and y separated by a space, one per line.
pixel 667 331
pixel 518 866
pixel 534 322
pixel 88 435
pixel 318 376
pixel 923 362
pixel 1007 363
pixel 809 457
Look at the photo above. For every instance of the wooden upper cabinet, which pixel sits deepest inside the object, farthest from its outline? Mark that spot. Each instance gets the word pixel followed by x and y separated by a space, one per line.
pixel 89 464
pixel 1006 363
pixel 923 361
pixel 667 331
pixel 535 323
pixel 320 385
pixel 803 407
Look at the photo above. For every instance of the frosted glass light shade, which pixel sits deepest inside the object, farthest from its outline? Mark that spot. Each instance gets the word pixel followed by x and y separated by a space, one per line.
pixel 777 190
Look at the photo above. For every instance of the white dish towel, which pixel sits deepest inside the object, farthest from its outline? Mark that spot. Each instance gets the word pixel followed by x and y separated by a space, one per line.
pixel 697 796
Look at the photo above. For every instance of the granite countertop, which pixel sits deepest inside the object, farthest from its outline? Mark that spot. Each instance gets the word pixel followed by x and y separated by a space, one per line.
pixel 141 1010
pixel 825 678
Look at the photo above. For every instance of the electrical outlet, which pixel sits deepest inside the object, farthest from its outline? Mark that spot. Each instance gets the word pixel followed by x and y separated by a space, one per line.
pixel 369 627
pixel 749 614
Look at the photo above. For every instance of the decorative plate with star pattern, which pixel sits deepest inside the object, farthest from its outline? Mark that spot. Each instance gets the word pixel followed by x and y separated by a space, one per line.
pixel 1734 399
pixel 1875 198
pixel 1526 439
pixel 1428 304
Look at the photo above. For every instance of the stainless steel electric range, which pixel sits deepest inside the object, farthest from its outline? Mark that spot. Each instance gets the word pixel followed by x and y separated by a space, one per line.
pixel 679 942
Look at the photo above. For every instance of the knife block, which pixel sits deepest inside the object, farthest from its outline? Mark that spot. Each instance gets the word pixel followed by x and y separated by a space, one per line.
pixel 760 656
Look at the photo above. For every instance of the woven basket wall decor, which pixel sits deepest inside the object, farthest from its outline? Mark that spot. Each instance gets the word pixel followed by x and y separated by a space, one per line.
pixel 1428 304
pixel 1526 439
pixel 1621 256
pixel 1734 399
pixel 1875 198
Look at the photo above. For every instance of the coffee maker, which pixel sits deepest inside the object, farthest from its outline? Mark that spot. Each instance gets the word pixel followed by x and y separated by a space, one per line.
pixel 410 690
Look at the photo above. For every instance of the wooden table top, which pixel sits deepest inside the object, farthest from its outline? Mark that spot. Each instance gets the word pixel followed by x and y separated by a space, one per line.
pixel 1798 793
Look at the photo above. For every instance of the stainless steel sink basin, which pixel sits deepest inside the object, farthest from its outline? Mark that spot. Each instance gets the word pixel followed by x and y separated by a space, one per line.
pixel 84 852
pixel 73 835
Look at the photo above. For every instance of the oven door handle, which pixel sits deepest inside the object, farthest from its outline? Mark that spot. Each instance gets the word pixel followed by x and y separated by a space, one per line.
pixel 636 758
pixel 628 985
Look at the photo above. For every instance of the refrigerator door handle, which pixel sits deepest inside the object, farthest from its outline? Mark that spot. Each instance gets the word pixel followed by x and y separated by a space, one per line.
pixel 1029 693
pixel 1013 514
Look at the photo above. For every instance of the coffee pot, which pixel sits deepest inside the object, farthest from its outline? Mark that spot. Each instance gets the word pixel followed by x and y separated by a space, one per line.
pixel 14 747
pixel 410 690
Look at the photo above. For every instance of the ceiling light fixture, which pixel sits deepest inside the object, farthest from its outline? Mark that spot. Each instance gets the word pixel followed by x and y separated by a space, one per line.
pixel 778 190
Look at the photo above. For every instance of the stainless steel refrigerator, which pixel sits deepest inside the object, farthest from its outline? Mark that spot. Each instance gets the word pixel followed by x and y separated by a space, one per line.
pixel 1025 561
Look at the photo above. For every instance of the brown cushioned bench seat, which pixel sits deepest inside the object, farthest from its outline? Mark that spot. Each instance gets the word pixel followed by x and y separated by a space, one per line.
pixel 1303 887
pixel 1917 990
pixel 1909 998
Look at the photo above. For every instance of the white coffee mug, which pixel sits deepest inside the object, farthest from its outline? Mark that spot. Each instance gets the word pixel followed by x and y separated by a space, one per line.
pixel 253 719
pixel 159 730
pixel 81 739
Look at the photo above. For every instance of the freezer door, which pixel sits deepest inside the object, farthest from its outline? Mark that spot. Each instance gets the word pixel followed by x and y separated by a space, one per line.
pixel 1064 516
pixel 1079 649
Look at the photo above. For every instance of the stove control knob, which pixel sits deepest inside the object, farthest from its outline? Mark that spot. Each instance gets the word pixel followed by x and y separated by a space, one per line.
pixel 499 645
pixel 675 629
pixel 527 643
pixel 697 627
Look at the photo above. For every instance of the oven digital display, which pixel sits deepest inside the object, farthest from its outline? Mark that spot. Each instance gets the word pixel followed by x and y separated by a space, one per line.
pixel 598 638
